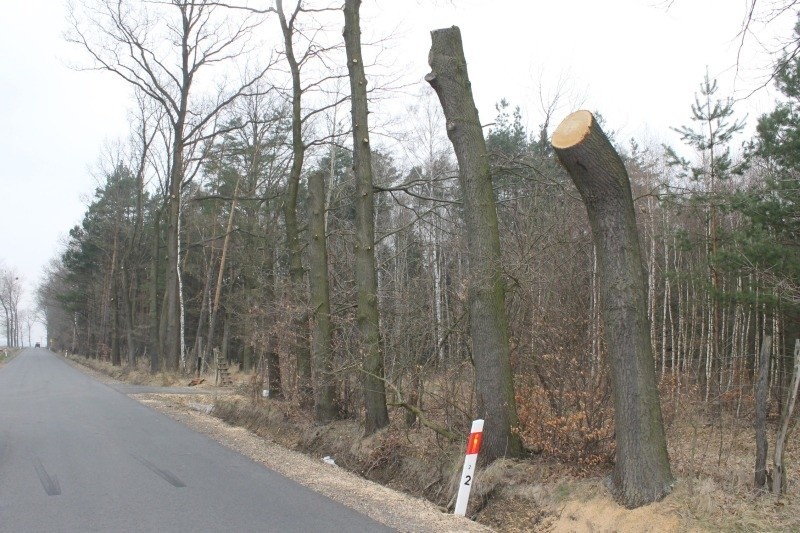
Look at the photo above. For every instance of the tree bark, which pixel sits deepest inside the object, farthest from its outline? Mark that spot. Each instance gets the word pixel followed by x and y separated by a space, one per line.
pixel 641 472
pixel 488 321
pixel 762 386
pixel 377 415
pixel 324 410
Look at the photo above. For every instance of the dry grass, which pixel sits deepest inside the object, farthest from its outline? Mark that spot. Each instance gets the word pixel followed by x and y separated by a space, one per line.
pixel 136 375
pixel 713 457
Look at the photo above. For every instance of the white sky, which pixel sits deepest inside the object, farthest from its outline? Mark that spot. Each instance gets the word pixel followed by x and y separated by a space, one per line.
pixel 634 61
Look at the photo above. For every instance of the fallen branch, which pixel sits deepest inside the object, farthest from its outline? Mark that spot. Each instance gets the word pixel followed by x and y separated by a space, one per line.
pixel 441 430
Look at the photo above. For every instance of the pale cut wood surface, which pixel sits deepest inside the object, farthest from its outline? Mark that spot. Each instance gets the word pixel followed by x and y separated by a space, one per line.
pixel 572 129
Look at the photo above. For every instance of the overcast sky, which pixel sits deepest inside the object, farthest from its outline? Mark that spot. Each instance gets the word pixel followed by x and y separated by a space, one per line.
pixel 635 61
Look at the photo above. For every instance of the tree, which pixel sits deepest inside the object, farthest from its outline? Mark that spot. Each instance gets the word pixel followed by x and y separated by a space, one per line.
pixel 769 246
pixel 324 410
pixel 377 416
pixel 299 119
pixel 488 320
pixel 711 139
pixel 293 243
pixel 773 236
pixel 10 296
pixel 57 320
pixel 641 472
pixel 161 49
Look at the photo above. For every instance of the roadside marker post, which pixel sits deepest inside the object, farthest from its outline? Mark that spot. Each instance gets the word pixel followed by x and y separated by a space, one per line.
pixel 468 474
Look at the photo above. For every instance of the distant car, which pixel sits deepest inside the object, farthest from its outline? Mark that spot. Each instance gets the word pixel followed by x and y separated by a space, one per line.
pixel 38 345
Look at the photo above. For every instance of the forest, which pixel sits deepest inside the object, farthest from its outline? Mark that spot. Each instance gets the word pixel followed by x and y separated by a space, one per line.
pixel 262 219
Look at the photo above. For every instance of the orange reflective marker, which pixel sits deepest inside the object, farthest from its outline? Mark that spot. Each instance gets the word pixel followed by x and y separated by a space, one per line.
pixel 474 445
pixel 467 475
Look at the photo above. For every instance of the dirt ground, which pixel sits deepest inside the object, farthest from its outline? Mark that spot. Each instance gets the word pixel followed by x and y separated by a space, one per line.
pixel 712 464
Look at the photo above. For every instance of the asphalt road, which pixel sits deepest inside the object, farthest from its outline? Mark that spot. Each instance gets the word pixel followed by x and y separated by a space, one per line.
pixel 77 455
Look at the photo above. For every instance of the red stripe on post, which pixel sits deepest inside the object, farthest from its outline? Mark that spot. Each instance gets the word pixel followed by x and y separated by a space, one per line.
pixel 474 443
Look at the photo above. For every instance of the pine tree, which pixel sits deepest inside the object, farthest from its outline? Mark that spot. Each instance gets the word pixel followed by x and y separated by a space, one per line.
pixel 704 180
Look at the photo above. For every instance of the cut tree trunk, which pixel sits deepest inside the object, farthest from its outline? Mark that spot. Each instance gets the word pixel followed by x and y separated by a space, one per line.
pixel 377 415
pixel 641 472
pixel 762 386
pixel 322 330
pixel 778 473
pixel 488 321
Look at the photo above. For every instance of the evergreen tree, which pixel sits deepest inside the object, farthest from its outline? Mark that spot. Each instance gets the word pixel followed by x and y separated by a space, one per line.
pixel 770 244
pixel 705 182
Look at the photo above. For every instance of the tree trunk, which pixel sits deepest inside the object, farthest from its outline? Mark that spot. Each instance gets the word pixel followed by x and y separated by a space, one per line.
pixel 324 410
pixel 300 345
pixel 115 351
pixel 762 445
pixel 226 337
pixel 271 357
pixel 116 359
pixel 642 472
pixel 130 309
pixel 247 358
pixel 214 311
pixel 154 337
pixel 778 475
pixel 377 415
pixel 172 308
pixel 202 353
pixel 488 320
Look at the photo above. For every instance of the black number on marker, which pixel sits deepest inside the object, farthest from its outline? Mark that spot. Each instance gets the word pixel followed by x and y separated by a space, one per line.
pixel 466 481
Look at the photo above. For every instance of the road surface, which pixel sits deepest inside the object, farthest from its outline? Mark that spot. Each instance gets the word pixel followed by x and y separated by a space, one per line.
pixel 77 455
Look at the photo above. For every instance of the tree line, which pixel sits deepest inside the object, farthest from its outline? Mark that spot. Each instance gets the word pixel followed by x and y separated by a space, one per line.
pixel 250 220
pixel 15 320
